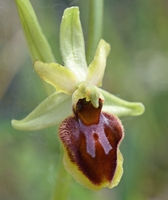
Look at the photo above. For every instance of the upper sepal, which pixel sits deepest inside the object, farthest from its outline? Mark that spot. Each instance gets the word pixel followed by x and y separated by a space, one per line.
pixel 72 43
pixel 50 112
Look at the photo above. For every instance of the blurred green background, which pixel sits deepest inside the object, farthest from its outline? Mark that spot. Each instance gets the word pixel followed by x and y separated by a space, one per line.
pixel 137 70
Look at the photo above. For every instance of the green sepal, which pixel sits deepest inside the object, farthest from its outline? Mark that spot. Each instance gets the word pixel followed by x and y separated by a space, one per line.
pixel 97 67
pixel 72 43
pixel 62 78
pixel 120 107
pixel 50 112
pixel 37 43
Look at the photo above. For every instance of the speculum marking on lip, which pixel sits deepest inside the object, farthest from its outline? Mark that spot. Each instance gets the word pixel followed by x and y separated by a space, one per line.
pixel 98 130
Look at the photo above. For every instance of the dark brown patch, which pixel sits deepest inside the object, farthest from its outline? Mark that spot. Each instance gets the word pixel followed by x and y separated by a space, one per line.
pixel 95 136
pixel 86 112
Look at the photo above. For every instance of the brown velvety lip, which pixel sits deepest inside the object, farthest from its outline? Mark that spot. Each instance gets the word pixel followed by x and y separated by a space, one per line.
pixel 92 145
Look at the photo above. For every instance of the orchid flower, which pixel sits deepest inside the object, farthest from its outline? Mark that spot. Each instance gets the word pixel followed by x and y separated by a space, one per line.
pixel 90 129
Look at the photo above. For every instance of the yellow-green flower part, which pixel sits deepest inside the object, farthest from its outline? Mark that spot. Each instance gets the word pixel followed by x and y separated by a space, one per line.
pixel 90 129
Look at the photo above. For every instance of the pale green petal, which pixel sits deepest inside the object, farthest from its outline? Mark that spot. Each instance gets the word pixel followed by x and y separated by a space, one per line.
pixel 97 66
pixel 38 45
pixel 60 77
pixel 120 107
pixel 50 112
pixel 72 43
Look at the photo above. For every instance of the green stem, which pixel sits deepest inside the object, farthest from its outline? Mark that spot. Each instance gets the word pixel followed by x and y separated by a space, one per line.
pixel 39 47
pixel 62 186
pixel 95 28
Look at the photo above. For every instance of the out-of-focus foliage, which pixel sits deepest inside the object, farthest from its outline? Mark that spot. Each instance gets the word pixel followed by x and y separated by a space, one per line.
pixel 137 70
